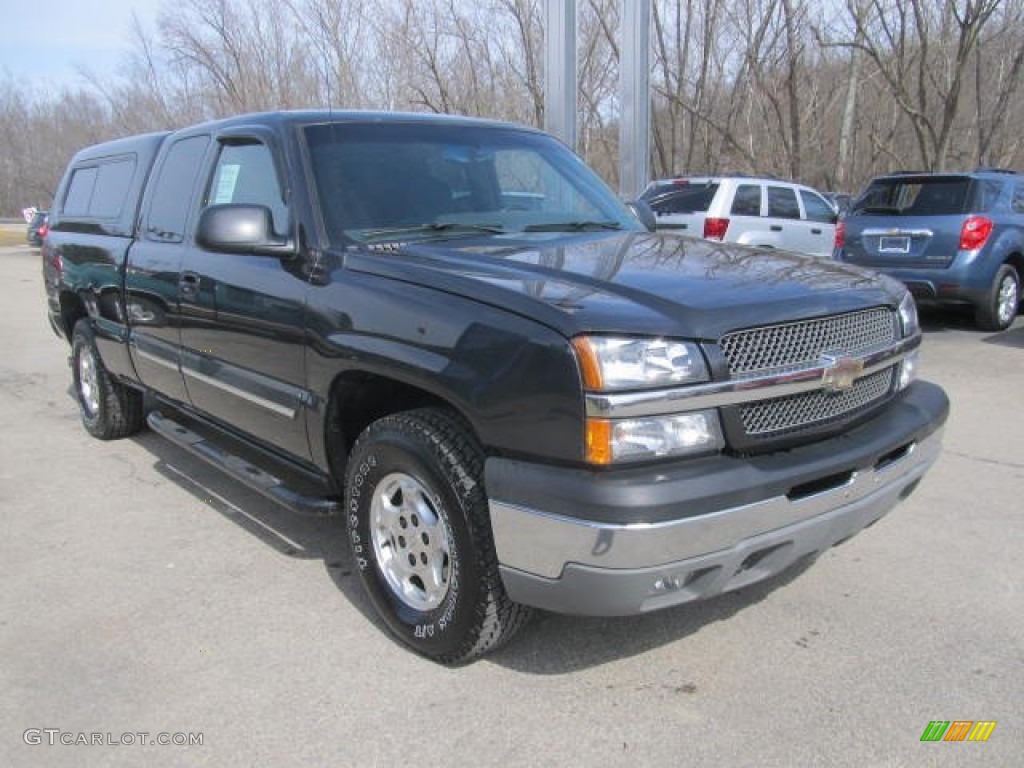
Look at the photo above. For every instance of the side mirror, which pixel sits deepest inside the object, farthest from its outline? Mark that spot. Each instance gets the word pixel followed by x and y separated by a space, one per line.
pixel 644 213
pixel 237 228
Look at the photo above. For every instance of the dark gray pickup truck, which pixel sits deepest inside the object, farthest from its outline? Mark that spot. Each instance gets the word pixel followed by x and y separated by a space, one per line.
pixel 452 333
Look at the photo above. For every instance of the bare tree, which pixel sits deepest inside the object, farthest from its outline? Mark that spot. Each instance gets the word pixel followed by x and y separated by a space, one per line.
pixel 793 12
pixel 824 93
pixel 521 52
pixel 598 74
pixel 673 30
pixel 38 137
pixel 859 10
pixel 998 68
pixel 922 49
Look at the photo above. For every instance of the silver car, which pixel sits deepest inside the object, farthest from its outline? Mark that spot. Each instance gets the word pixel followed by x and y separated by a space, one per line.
pixel 764 212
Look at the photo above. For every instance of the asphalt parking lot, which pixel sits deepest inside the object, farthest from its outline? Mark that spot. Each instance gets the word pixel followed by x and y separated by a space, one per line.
pixel 144 593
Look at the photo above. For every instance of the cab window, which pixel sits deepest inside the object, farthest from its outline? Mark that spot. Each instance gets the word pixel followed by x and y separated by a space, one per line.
pixel 172 193
pixel 245 174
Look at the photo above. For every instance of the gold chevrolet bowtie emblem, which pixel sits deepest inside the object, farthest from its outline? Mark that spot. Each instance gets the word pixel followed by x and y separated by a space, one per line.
pixel 840 373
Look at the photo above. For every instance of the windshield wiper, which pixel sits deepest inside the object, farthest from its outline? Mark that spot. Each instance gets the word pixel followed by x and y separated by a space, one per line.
pixel 572 226
pixel 447 227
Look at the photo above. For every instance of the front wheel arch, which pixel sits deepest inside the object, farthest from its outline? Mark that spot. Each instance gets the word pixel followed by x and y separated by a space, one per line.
pixel 358 398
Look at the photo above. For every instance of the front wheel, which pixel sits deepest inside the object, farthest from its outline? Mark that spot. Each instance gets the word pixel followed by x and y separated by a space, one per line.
pixel 1002 302
pixel 420 534
pixel 109 409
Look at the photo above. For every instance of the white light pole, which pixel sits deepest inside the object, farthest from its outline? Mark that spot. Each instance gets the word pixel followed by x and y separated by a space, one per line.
pixel 635 97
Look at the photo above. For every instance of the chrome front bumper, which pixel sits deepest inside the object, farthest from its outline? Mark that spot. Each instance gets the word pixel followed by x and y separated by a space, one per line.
pixel 572 565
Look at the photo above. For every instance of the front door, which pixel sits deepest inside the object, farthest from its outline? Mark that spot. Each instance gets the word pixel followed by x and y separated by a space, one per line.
pixel 243 315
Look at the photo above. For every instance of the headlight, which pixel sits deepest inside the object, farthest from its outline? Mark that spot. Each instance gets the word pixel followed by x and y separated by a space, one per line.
pixel 611 363
pixel 652 438
pixel 908 371
pixel 908 316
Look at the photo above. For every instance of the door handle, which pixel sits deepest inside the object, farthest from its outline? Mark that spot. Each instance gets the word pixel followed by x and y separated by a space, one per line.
pixel 815 231
pixel 188 283
pixel 776 228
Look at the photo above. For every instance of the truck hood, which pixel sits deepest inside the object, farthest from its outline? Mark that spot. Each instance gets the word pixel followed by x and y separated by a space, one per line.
pixel 631 282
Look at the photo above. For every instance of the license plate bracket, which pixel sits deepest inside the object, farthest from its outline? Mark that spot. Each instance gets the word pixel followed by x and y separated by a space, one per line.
pixel 894 244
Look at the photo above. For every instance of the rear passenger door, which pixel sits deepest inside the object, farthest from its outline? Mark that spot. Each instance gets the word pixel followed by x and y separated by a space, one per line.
pixel 243 315
pixel 746 225
pixel 789 229
pixel 154 262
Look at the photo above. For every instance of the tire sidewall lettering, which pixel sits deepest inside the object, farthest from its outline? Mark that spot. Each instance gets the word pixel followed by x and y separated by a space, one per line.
pixel 426 630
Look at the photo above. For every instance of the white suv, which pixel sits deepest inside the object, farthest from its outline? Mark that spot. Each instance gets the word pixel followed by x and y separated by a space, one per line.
pixel 743 209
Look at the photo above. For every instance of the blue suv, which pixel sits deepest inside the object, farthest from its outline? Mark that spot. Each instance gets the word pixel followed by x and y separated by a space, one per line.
pixel 953 238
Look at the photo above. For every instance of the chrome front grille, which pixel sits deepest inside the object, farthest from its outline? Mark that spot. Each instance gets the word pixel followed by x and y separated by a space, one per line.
pixel 794 345
pixel 784 415
pixel 780 349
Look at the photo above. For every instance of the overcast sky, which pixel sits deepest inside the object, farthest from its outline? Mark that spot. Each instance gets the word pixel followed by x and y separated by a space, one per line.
pixel 51 40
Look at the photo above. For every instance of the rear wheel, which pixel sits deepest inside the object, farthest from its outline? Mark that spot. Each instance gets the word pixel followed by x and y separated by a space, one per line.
pixel 420 534
pixel 109 409
pixel 1002 302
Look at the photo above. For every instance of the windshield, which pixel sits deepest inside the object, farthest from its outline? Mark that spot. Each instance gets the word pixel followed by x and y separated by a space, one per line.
pixel 406 181
pixel 915 196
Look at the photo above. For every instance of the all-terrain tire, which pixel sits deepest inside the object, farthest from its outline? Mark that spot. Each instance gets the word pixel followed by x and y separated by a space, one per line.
pixel 109 409
pixel 420 533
